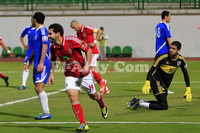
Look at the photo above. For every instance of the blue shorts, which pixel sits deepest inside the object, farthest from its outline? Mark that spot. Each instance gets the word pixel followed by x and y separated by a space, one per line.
pixel 28 55
pixel 41 77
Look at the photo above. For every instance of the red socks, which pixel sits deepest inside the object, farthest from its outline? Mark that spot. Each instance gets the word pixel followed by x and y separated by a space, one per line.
pixel 78 111
pixel 101 102
pixel 97 76
pixel 2 76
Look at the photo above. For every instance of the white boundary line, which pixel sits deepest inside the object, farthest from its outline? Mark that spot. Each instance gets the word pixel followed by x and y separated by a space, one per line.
pixel 194 82
pixel 100 122
pixel 27 99
pixel 51 93
pixel 98 71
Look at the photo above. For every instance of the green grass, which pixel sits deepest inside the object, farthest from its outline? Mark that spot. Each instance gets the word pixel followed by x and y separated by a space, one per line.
pixel 124 85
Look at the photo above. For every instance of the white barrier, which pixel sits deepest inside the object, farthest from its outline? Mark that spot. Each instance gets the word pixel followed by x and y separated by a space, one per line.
pixel 134 30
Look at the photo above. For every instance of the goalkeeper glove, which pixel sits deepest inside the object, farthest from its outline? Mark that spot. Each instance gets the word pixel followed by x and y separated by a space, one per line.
pixel 146 88
pixel 188 94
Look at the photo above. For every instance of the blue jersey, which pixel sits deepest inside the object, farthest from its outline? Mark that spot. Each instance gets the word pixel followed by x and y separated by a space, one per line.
pixel 30 31
pixel 41 38
pixel 162 33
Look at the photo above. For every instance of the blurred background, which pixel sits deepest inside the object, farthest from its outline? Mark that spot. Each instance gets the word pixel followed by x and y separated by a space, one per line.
pixel 127 22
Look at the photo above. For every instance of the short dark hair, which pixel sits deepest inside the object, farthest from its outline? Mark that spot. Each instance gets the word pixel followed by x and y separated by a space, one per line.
pixel 39 17
pixel 164 13
pixel 101 28
pixel 177 44
pixel 57 28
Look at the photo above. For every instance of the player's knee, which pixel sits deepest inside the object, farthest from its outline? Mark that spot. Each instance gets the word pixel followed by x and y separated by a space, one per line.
pixel 164 106
pixel 73 98
pixel 93 96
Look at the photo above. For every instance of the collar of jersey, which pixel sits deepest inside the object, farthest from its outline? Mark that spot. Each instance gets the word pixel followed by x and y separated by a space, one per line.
pixel 82 27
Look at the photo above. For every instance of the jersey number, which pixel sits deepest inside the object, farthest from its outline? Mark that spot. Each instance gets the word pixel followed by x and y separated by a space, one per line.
pixel 158 32
pixel 91 87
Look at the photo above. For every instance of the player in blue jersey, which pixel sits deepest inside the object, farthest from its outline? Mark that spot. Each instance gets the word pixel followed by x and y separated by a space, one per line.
pixel 30 32
pixel 163 35
pixel 163 41
pixel 41 68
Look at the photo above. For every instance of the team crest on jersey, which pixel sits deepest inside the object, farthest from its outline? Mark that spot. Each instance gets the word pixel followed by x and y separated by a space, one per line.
pixel 178 63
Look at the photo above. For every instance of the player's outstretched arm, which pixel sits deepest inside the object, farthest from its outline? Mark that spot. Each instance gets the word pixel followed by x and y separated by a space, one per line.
pixel 188 93
pixel 146 88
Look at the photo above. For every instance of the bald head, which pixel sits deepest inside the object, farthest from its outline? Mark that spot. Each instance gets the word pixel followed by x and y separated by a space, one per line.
pixel 75 25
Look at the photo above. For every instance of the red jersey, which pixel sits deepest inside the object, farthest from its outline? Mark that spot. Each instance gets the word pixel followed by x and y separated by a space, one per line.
pixel 1 41
pixel 86 34
pixel 70 53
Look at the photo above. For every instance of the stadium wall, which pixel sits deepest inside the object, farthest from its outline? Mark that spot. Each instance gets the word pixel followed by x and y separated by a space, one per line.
pixel 134 30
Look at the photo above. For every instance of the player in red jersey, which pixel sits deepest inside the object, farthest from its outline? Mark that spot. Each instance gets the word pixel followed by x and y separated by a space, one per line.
pixel 86 33
pixel 77 71
pixel 5 78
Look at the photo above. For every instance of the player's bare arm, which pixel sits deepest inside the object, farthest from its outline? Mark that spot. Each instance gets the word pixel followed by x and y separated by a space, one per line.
pixel 51 77
pixel 7 50
pixel 98 34
pixel 27 65
pixel 23 43
pixel 40 66
pixel 86 68
pixel 169 40
pixel 91 44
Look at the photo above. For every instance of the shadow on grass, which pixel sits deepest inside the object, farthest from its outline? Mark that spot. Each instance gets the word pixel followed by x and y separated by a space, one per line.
pixel 67 128
pixel 48 128
pixel 17 115
pixel 10 86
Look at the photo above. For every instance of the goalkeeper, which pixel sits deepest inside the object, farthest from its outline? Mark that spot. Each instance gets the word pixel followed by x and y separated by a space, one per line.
pixel 160 77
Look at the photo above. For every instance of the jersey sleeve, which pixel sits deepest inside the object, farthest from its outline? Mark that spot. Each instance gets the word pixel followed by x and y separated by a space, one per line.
pixel 44 35
pixel 184 69
pixel 159 60
pixel 167 31
pixel 149 74
pixel 24 32
pixel 77 43
pixel 184 66
pixel 91 29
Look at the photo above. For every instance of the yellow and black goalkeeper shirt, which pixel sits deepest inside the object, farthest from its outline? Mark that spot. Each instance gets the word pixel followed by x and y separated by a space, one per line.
pixel 164 68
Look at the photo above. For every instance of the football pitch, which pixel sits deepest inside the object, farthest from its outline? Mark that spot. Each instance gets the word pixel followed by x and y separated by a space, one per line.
pixel 125 80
